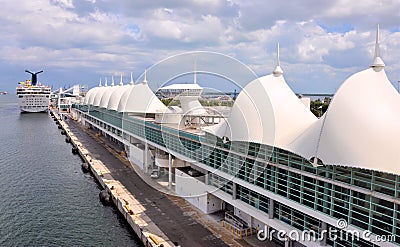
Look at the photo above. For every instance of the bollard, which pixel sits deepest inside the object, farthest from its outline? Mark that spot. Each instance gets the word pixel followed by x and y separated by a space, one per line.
pixel 154 239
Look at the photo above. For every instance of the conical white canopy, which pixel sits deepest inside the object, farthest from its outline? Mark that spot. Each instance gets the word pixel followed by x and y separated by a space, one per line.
pixel 99 94
pixel 87 96
pixel 124 97
pixel 107 95
pixel 93 95
pixel 267 111
pixel 360 127
pixel 140 99
pixel 116 97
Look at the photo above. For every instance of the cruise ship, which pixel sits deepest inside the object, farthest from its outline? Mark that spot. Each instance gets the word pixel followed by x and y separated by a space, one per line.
pixel 32 96
pixel 271 166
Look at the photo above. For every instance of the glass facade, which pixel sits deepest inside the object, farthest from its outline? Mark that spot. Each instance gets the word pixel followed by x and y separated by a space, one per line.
pixel 367 200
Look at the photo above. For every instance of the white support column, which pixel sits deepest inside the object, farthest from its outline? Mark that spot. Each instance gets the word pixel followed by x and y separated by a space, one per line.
pixel 271 208
pixel 146 150
pixel 234 191
pixel 169 171
pixel 207 178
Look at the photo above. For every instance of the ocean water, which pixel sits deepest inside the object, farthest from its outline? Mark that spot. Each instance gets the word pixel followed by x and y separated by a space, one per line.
pixel 45 198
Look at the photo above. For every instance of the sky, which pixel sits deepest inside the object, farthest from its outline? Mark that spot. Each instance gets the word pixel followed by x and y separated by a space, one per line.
pixel 322 42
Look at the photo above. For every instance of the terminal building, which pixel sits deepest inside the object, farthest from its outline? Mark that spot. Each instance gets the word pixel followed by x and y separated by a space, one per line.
pixel 270 163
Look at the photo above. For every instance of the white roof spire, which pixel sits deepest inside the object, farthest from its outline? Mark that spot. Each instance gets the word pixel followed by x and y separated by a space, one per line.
pixel 100 83
pixel 378 62
pixel 120 82
pixel 105 84
pixel 278 70
pixel 145 77
pixel 131 82
pixel 112 80
pixel 194 71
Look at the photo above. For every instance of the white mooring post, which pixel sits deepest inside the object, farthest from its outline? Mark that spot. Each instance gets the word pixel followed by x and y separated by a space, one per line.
pixel 169 171
pixel 145 160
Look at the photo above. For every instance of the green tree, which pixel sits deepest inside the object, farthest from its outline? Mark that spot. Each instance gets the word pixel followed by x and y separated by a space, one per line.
pixel 318 108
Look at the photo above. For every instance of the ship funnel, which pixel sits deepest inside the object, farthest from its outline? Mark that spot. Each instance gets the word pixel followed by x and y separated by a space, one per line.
pixel 34 76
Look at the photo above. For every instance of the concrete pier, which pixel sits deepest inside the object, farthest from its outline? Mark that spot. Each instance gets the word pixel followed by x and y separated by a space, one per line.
pixel 156 218
pixel 148 232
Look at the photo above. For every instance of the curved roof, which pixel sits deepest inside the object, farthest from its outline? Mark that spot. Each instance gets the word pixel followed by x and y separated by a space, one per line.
pixel 99 95
pixel 219 129
pixel 116 96
pixel 93 95
pixel 268 112
pixel 360 127
pixel 140 99
pixel 106 96
pixel 123 99
pixel 87 96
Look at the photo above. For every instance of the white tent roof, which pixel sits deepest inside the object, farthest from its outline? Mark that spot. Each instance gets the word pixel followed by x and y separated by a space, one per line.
pixel 87 96
pixel 268 112
pixel 116 96
pixel 124 98
pixel 93 95
pixel 107 95
pixel 219 130
pixel 99 94
pixel 360 127
pixel 141 99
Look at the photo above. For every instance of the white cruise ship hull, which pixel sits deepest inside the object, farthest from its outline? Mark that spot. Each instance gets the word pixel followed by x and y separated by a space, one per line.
pixel 33 98
pixel 34 103
pixel 36 109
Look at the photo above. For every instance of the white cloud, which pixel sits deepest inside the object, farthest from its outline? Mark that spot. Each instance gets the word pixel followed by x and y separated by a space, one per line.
pixel 318 44
pixel 318 39
pixel 173 28
pixel 63 3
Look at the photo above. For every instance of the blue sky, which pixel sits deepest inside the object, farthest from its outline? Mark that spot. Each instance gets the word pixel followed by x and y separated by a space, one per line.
pixel 78 41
